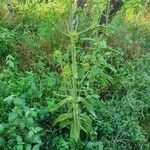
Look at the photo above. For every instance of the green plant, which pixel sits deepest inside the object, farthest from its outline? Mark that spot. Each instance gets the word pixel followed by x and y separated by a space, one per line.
pixel 74 117
pixel 7 37
pixel 21 125
pixel 10 61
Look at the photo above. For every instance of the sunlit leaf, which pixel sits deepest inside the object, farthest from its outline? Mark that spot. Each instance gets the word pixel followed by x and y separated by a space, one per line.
pixel 19 101
pixel 30 134
pixel 75 128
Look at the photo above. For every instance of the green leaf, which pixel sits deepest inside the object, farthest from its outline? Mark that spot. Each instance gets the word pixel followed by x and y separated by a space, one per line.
pixel 28 147
pixel 75 132
pixel 19 101
pixel 88 39
pixel 63 102
pixel 86 122
pixel 112 68
pixel 100 145
pixel 38 129
pixel 33 86
pixel 12 116
pixel 2 141
pixel 10 63
pixel 9 57
pixel 102 61
pixel 22 124
pixel 19 143
pixel 75 128
pixel 63 117
pixel 29 112
pixel 30 120
pixel 33 131
pixel 1 128
pixel 88 106
pixel 20 147
pixel 103 44
pixel 36 147
pixel 9 99
pixel 65 124
pixel 18 110
pixel 30 134
pixel 51 104
pixel 128 39
pixel 19 139
pixel 37 139
pixel 95 145
pixel 52 80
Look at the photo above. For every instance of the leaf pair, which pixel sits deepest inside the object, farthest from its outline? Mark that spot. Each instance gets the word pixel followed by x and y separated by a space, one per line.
pixel 73 118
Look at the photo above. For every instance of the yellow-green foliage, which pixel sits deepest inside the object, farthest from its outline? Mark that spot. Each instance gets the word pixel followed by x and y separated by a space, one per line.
pixel 34 10
pixel 42 10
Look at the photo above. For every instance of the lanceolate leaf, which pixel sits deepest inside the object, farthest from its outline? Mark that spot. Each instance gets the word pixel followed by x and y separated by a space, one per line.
pixel 63 117
pixel 86 122
pixel 88 106
pixel 63 102
pixel 75 127
pixel 75 130
pixel 85 118
pixel 65 123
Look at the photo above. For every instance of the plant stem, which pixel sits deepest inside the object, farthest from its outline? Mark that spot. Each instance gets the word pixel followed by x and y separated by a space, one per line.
pixel 74 72
pixel 108 12
pixel 73 53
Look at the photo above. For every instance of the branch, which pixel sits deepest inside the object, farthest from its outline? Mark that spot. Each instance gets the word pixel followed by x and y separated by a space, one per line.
pixel 115 6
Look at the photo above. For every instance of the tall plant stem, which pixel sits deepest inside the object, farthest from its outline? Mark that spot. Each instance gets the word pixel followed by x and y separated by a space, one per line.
pixel 107 12
pixel 74 64
pixel 73 37
pixel 73 51
pixel 74 72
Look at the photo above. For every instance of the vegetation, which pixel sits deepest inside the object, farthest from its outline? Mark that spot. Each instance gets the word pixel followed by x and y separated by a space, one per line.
pixel 74 74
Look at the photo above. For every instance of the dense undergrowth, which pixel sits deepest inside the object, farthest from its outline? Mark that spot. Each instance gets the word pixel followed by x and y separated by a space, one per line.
pixel 112 73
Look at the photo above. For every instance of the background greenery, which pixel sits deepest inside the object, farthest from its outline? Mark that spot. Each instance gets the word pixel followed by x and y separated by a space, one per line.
pixel 35 73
